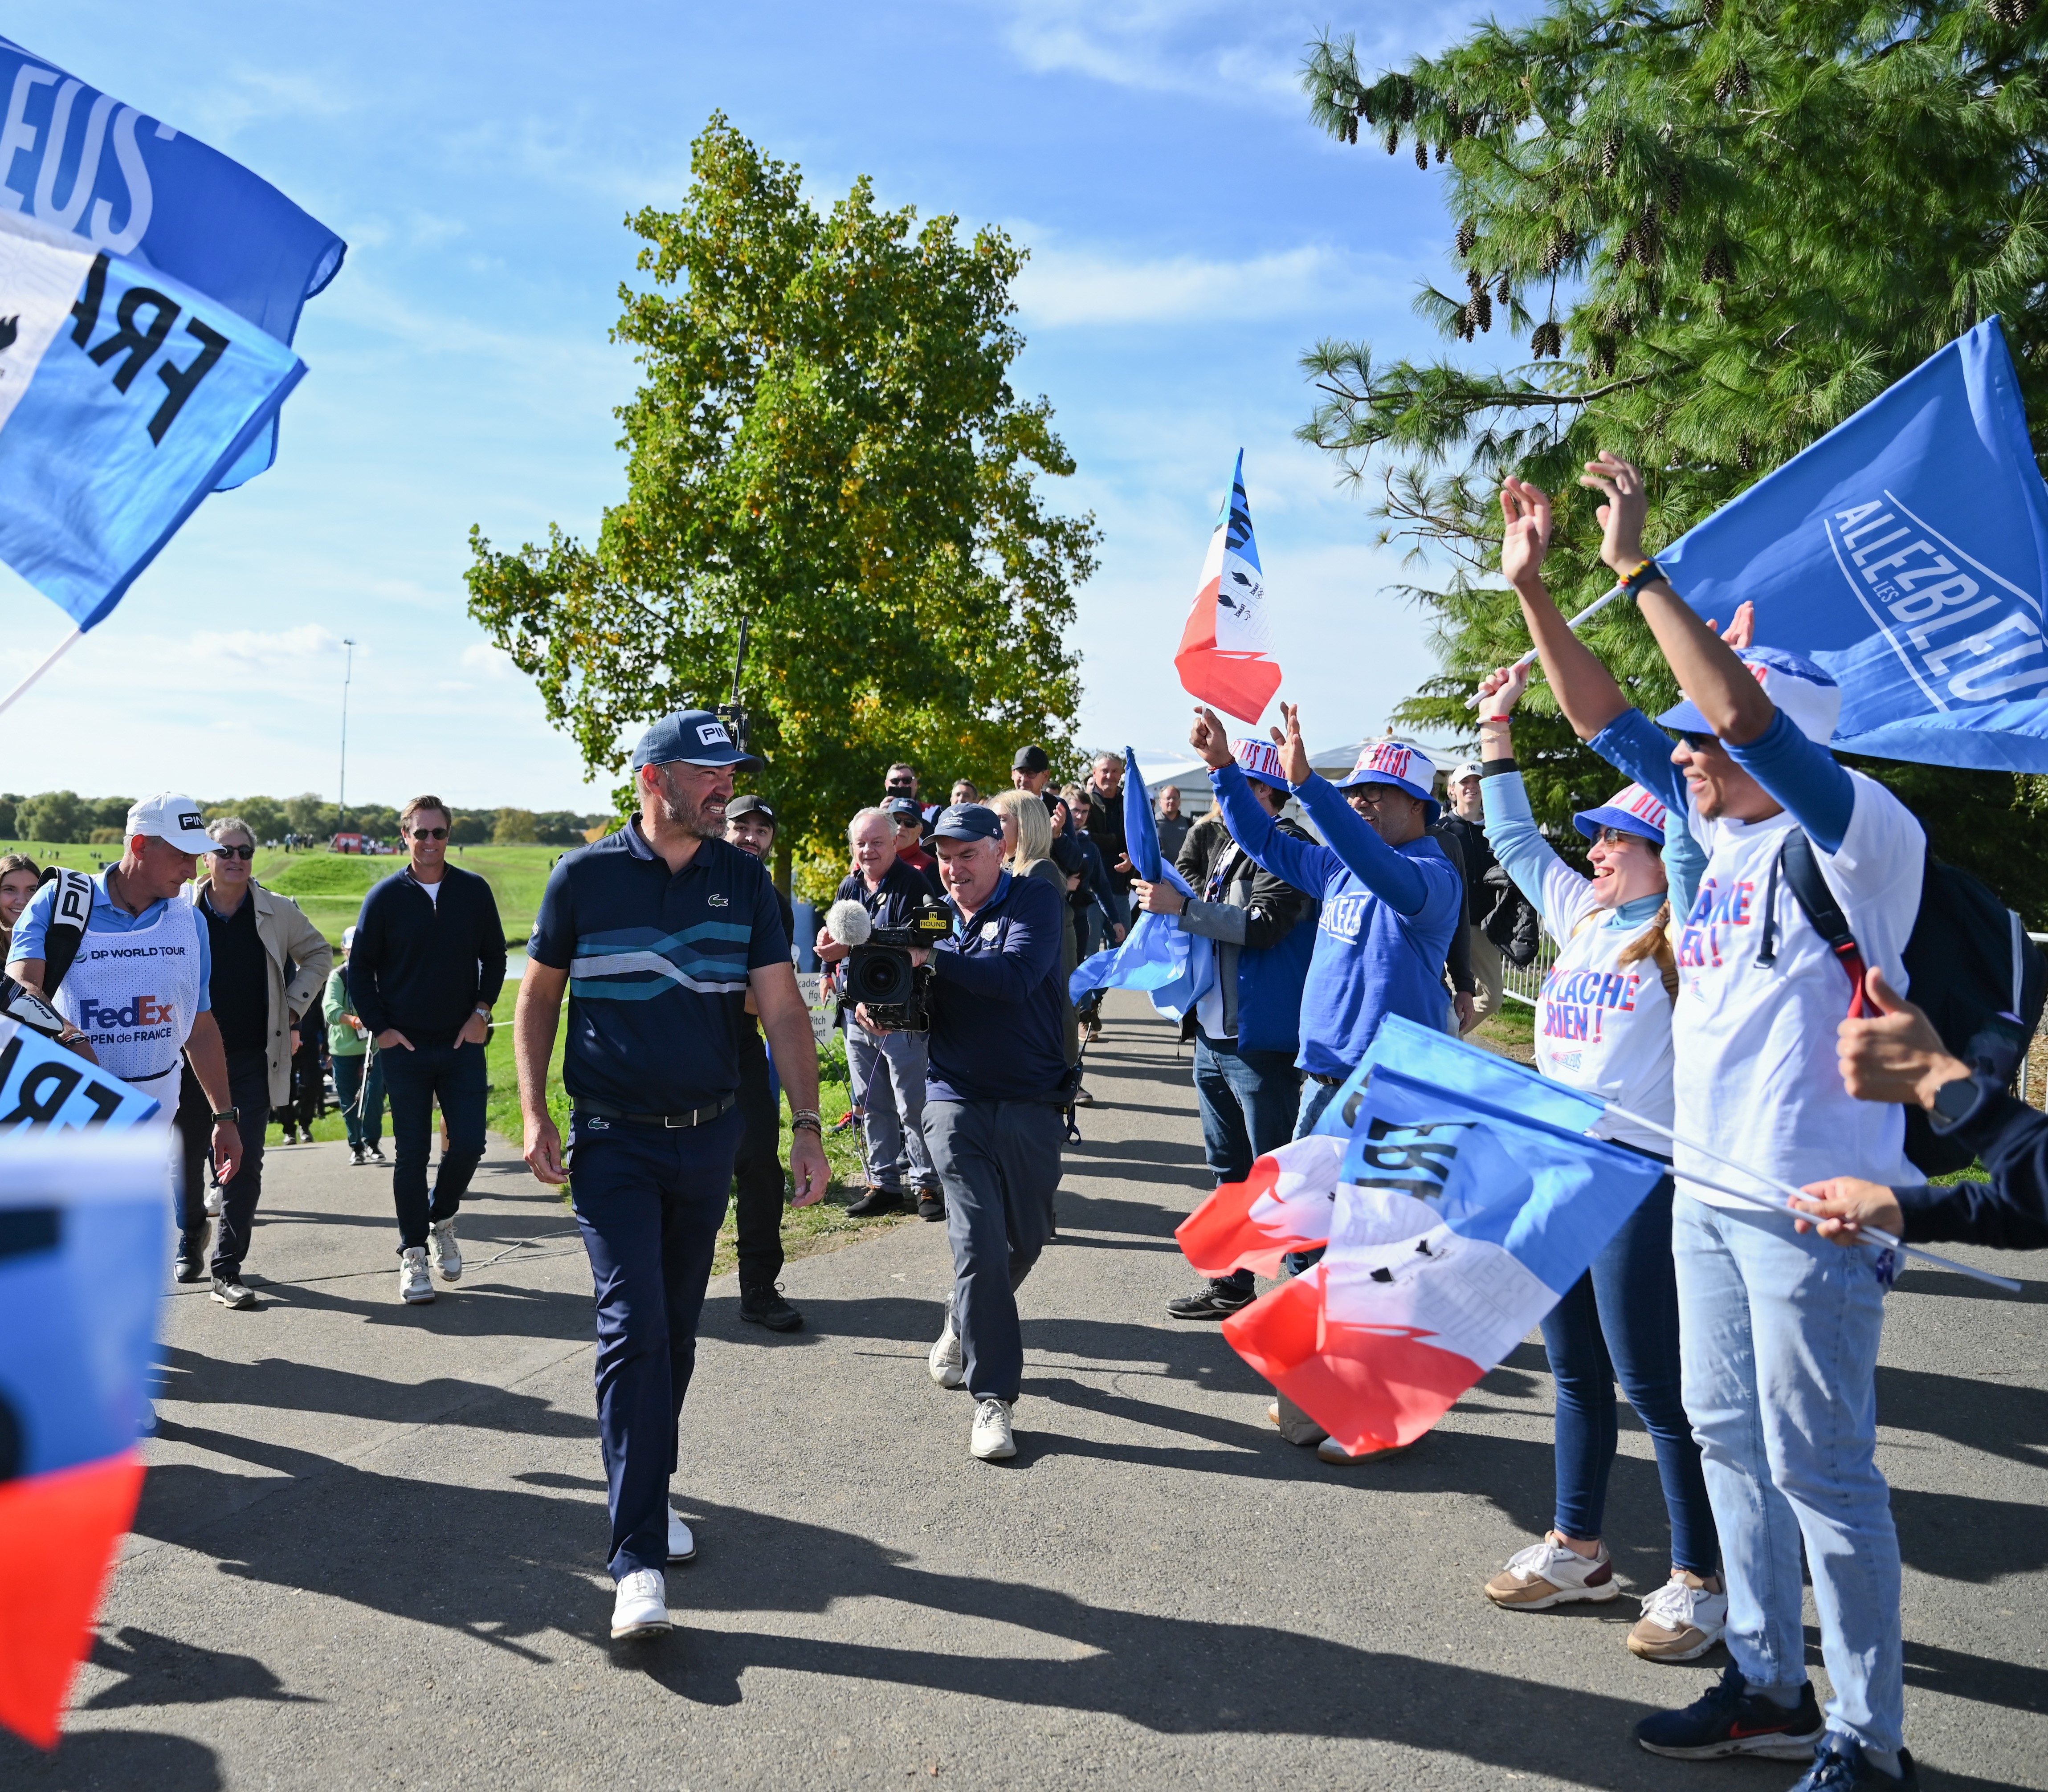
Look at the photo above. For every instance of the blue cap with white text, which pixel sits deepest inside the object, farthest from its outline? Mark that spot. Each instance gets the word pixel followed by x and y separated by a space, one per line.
pixel 694 737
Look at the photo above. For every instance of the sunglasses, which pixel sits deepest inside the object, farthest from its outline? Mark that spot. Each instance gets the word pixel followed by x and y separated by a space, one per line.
pixel 430 833
pixel 1700 743
pixel 234 853
pixel 1615 836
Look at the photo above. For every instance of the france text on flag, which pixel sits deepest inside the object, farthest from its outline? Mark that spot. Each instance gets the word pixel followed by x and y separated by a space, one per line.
pixel 1175 968
pixel 1225 658
pixel 1464 1225
pixel 114 179
pixel 83 1234
pixel 1907 552
pixel 124 396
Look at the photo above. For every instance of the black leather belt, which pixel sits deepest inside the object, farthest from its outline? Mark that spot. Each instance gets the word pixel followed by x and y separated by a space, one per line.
pixel 696 1117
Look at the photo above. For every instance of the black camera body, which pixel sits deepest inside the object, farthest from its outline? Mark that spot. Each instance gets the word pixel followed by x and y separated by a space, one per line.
pixel 878 970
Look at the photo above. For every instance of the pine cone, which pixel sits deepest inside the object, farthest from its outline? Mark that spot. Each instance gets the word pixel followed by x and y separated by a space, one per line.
pixel 1742 80
pixel 1351 127
pixel 1464 330
pixel 1468 235
pixel 1407 108
pixel 1611 155
pixel 1674 191
pixel 1710 13
pixel 1502 293
pixel 2011 14
pixel 1392 138
pixel 1563 246
pixel 1549 339
pixel 1724 86
pixel 1441 152
pixel 1474 279
pixel 1421 153
pixel 1719 263
pixel 1625 251
pixel 1480 310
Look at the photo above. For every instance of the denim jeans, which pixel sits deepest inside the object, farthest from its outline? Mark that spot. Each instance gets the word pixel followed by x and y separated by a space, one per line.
pixel 1779 1335
pixel 888 1078
pixel 1248 1101
pixel 362 1096
pixel 650 1201
pixel 454 1076
pixel 1620 1319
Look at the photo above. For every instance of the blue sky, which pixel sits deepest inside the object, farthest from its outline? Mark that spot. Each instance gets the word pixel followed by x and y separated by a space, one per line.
pixel 1190 235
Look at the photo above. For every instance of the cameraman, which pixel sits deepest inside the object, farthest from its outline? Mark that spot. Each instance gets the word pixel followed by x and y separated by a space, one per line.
pixel 888 1070
pixel 998 1074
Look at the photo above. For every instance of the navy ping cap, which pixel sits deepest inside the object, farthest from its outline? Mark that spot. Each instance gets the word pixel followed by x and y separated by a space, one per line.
pixel 694 737
pixel 968 821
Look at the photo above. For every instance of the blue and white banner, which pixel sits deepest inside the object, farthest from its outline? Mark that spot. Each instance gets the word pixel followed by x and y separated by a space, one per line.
pixel 1175 969
pixel 81 162
pixel 44 1087
pixel 1907 552
pixel 124 399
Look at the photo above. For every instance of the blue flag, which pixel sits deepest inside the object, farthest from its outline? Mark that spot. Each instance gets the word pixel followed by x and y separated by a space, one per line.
pixel 1424 1053
pixel 1176 969
pixel 45 1088
pixel 1906 551
pixel 124 399
pixel 81 162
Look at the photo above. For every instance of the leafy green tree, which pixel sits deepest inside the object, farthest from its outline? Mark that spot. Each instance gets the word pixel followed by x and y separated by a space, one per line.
pixel 10 806
pixel 514 827
pixel 1720 227
pixel 825 447
pixel 469 830
pixel 57 816
pixel 308 814
pixel 265 816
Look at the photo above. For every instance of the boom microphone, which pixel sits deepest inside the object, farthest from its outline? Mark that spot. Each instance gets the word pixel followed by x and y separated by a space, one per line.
pixel 848 922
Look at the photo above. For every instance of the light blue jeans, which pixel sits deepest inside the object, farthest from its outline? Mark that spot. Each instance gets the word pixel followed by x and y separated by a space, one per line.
pixel 1778 1345
pixel 888 1078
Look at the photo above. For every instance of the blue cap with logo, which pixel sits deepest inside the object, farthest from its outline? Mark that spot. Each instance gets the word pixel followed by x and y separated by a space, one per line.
pixel 968 821
pixel 1397 763
pixel 1261 759
pixel 695 737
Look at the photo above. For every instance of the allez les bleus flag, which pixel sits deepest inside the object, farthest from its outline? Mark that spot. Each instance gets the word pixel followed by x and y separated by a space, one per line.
pixel 1225 656
pixel 1907 552
pixel 84 1219
pixel 116 178
pixel 125 398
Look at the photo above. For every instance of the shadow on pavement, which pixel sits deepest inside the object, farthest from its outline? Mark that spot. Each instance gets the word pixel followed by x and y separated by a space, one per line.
pixel 1997 1418
pixel 110 1761
pixel 158 1670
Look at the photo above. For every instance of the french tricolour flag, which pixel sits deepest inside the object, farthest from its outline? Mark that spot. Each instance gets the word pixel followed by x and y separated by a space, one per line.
pixel 1226 657
pixel 1285 1204
pixel 1454 1226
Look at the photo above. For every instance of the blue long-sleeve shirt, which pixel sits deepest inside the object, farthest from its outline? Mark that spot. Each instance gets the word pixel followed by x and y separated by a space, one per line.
pixel 1388 914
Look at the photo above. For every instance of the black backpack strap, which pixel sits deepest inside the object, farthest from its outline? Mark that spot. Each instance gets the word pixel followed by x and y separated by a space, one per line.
pixel 71 913
pixel 1816 902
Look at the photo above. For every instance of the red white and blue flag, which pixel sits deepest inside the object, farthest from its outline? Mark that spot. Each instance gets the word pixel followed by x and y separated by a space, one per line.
pixel 1453 1227
pixel 83 1229
pixel 1225 658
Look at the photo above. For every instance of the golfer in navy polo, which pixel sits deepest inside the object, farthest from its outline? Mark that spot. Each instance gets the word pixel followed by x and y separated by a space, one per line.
pixel 658 932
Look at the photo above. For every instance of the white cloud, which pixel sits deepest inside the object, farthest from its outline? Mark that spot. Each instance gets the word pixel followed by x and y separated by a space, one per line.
pixel 1061 288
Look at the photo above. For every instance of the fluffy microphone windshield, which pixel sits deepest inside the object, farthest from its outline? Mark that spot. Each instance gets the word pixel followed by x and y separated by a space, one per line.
pixel 849 923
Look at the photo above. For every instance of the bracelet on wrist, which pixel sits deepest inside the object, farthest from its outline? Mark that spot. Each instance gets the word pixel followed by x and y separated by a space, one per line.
pixel 1645 570
pixel 806 1119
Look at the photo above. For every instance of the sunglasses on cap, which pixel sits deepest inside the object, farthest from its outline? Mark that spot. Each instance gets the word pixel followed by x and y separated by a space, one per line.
pixel 234 851
pixel 430 833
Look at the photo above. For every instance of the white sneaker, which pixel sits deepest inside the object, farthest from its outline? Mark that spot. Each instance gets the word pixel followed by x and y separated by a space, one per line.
pixel 682 1541
pixel 444 1252
pixel 947 1362
pixel 1547 1574
pixel 415 1285
pixel 213 1201
pixel 991 1440
pixel 1681 1621
pixel 642 1608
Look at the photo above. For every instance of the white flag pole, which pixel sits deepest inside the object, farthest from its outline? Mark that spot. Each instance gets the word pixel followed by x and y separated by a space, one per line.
pixel 1787 1188
pixel 1585 615
pixel 62 648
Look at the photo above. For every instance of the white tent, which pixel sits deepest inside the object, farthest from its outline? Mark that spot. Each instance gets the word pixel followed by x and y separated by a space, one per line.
pixel 1193 776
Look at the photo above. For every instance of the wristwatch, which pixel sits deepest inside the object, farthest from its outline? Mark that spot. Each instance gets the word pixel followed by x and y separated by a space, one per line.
pixel 228 1117
pixel 1956 1102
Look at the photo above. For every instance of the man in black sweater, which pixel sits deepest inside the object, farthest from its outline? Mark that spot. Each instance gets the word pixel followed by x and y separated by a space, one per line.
pixel 425 971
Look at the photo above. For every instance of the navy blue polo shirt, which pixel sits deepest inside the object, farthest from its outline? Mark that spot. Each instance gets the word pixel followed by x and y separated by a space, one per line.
pixel 900 897
pixel 657 966
pixel 999 1003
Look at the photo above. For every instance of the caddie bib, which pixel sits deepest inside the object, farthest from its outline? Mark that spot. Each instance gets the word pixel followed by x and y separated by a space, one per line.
pixel 136 995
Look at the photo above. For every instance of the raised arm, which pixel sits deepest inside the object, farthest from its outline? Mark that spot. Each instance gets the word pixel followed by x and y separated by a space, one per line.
pixel 1303 864
pixel 1586 690
pixel 1391 876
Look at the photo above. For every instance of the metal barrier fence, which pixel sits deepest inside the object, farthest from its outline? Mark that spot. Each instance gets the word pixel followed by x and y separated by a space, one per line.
pixel 1521 983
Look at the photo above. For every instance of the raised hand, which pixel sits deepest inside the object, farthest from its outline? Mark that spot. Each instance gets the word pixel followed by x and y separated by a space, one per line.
pixel 1294 755
pixel 1621 516
pixel 1210 738
pixel 1500 691
pixel 1525 536
pixel 1741 632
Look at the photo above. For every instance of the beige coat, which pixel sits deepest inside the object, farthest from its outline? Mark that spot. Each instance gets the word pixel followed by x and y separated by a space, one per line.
pixel 286 934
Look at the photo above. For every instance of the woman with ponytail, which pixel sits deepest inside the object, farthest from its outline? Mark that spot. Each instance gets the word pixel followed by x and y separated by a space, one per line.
pixel 1603 1024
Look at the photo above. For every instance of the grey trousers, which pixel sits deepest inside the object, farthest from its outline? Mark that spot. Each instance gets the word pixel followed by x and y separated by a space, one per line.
pixel 998 1162
pixel 888 1078
pixel 1487 970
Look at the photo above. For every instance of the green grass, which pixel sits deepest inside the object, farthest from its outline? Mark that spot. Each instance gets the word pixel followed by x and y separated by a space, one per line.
pixel 330 886
pixel 805 1231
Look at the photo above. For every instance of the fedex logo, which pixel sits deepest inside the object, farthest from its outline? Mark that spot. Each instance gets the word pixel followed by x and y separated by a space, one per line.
pixel 144 1010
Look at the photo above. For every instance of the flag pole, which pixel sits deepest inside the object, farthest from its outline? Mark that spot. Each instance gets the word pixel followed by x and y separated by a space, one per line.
pixel 1584 616
pixel 62 648
pixel 1871 1232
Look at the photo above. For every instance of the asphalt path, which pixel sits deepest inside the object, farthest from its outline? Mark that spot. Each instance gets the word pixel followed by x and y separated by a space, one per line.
pixel 369 1552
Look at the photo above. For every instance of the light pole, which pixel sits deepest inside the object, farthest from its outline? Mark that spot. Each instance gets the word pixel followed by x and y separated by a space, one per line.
pixel 341 799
